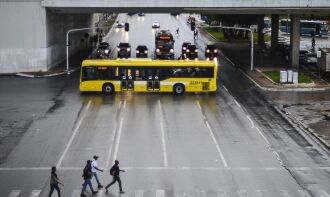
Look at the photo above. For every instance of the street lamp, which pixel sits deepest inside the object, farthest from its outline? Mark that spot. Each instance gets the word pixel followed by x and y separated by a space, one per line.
pixel 67 42
pixel 239 28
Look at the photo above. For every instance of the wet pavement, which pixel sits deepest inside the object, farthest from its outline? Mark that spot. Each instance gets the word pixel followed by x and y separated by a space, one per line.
pixel 233 143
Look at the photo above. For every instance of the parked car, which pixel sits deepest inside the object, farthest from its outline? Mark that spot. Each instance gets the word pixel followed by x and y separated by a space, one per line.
pixel 141 51
pixel 124 50
pixel 155 24
pixel 192 52
pixel 211 52
pixel 103 50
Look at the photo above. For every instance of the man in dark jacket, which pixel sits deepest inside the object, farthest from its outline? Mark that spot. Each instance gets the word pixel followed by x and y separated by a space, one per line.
pixel 87 175
pixel 114 171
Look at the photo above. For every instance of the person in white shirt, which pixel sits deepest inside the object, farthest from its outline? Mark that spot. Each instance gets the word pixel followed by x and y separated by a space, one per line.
pixel 94 169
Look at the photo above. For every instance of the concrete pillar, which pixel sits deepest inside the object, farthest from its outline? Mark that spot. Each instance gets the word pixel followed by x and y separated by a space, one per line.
pixel 275 28
pixel 295 40
pixel 261 25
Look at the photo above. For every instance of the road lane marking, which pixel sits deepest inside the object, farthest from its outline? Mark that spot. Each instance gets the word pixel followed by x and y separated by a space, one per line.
pixel 14 193
pixel 224 87
pixel 237 103
pixel 323 193
pixel 221 193
pixel 262 193
pixel 113 137
pixel 118 135
pixel 138 193
pixel 76 193
pixel 72 137
pixel 303 193
pixel 252 123
pixel 35 193
pixel 160 193
pixel 162 129
pixel 263 136
pixel 285 193
pixel 213 136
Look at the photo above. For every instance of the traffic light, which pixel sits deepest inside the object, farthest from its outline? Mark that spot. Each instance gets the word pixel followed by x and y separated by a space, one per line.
pixel 192 26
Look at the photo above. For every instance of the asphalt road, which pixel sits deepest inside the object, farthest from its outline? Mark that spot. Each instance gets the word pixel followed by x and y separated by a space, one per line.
pixel 230 144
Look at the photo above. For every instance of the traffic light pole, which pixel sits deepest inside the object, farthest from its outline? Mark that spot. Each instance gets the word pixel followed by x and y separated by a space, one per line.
pixel 239 28
pixel 67 42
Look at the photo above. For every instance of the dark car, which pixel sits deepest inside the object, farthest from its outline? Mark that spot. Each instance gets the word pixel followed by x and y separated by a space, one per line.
pixel 126 26
pixel 103 50
pixel 192 52
pixel 124 50
pixel 141 51
pixel 141 14
pixel 184 48
pixel 211 52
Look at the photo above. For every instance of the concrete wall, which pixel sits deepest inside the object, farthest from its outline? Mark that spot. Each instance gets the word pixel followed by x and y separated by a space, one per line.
pixel 32 38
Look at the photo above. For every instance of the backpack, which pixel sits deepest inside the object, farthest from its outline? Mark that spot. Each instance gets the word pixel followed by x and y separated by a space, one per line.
pixel 86 173
pixel 112 171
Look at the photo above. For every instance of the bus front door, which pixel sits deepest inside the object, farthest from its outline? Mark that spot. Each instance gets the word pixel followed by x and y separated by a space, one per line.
pixel 153 83
pixel 127 82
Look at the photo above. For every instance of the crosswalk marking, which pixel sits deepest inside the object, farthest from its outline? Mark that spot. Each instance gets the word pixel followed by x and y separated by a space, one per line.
pixel 35 193
pixel 160 193
pixel 303 193
pixel 14 193
pixel 285 193
pixel 323 193
pixel 139 193
pixel 199 193
pixel 75 193
pixel 242 193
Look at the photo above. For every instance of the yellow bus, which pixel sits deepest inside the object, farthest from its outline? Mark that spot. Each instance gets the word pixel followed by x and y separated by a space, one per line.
pixel 146 75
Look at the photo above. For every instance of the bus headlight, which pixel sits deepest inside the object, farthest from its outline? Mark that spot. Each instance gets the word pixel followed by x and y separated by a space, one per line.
pixel 187 50
pixel 128 49
pixel 106 51
pixel 215 50
pixel 184 48
pixel 196 50
pixel 171 50
pixel 146 51
pixel 207 50
pixel 118 49
pixel 157 50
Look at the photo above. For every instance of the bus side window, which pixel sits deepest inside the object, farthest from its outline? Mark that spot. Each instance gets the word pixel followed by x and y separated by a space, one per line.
pixel 90 73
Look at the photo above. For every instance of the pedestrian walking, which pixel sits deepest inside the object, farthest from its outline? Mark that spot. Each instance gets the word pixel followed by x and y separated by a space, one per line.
pixel 54 181
pixel 114 172
pixel 87 175
pixel 94 169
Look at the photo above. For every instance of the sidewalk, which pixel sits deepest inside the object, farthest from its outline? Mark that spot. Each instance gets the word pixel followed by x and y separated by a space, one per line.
pixel 304 105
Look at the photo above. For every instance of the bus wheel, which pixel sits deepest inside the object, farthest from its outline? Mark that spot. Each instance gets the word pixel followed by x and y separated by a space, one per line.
pixel 108 88
pixel 178 89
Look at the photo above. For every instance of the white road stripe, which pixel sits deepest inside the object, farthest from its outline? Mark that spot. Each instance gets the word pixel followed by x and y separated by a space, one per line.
pixel 242 193
pixel 237 103
pixel 72 137
pixel 252 123
pixel 263 136
pixel 323 193
pixel 76 193
pixel 303 193
pixel 35 193
pixel 224 87
pixel 112 138
pixel 213 138
pixel 160 193
pixel 285 193
pixel 138 193
pixel 118 136
pixel 14 193
pixel 162 129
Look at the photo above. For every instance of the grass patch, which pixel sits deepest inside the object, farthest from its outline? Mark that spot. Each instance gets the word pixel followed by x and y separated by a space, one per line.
pixel 275 76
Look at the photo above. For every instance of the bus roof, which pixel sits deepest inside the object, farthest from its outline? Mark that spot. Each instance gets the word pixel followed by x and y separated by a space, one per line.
pixel 146 62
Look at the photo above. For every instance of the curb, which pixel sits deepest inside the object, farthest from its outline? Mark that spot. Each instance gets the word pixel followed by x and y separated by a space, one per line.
pixel 310 132
pixel 47 75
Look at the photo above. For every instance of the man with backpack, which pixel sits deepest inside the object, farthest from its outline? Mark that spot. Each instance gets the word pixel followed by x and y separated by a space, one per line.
pixel 114 171
pixel 87 175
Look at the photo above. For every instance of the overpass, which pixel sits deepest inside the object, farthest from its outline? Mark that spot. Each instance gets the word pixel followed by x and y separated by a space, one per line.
pixel 32 36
